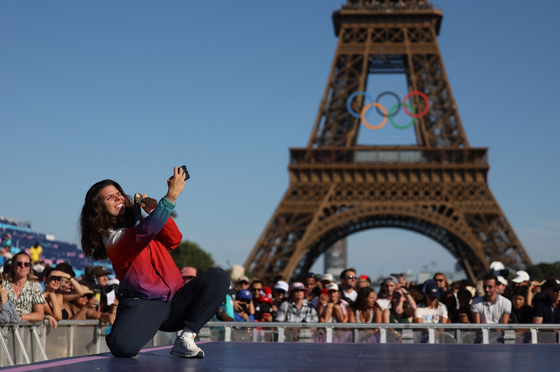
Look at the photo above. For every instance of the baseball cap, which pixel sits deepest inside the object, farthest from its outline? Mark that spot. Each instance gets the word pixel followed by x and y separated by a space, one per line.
pixel 431 289
pixel 364 278
pixel 245 294
pixel 502 280
pixel 391 278
pixel 521 276
pixel 332 287
pixel 282 286
pixel 552 283
pixel 188 271
pixel 100 271
pixel 297 286
pixel 327 278
pixel 243 278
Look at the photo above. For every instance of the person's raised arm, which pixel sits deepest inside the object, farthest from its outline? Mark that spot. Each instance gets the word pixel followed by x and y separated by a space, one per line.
pixel 475 317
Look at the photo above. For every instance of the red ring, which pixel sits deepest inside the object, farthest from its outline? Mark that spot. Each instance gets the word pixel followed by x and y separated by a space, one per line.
pixel 417 93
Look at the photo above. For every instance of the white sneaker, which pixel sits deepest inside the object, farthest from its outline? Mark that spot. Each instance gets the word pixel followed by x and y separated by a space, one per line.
pixel 185 346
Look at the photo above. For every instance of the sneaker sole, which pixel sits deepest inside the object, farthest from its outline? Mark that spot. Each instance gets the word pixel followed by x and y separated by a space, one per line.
pixel 200 354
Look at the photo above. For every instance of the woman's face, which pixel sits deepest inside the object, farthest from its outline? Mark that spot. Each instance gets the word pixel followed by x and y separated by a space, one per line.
pixel 53 282
pixel 112 201
pixel 371 300
pixel 22 265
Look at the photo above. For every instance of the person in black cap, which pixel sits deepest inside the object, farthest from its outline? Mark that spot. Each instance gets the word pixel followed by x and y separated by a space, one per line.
pixel 547 310
pixel 100 274
pixel 431 311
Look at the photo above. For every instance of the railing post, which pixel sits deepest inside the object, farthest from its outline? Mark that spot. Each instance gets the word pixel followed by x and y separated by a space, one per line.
pixel 70 340
pixel 329 334
pixel 534 339
pixel 407 336
pixel 40 347
pixel 509 336
pixel 431 335
pixel 21 349
pixel 356 334
pixel 305 334
pixel 281 334
pixel 227 333
pixel 383 335
pixel 3 336
pixel 485 335
pixel 204 334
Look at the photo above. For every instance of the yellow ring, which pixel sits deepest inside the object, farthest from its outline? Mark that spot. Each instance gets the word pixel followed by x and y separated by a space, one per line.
pixel 363 116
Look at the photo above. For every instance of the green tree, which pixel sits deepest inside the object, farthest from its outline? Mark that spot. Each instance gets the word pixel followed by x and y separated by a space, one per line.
pixel 190 254
pixel 544 271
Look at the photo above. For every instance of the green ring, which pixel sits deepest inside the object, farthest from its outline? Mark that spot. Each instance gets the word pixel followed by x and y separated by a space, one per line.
pixel 391 116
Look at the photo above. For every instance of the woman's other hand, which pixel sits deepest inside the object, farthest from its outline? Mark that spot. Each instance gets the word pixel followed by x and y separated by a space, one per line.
pixel 150 204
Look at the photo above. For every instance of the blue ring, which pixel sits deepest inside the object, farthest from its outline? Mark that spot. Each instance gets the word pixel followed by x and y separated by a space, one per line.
pixel 349 102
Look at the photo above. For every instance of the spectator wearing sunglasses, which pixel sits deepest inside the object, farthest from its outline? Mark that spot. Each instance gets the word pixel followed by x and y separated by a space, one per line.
pixel 55 301
pixel 297 309
pixel 279 294
pixel 23 290
pixel 547 310
pixel 84 307
pixel 348 279
pixel 441 281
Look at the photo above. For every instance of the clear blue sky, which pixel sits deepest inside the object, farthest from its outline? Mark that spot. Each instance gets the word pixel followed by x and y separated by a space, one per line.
pixel 126 90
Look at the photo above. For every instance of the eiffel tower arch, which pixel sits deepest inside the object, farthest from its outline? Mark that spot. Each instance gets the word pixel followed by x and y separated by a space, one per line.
pixel 437 188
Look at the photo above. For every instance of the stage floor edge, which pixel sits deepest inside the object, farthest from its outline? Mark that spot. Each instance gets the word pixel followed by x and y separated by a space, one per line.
pixel 252 357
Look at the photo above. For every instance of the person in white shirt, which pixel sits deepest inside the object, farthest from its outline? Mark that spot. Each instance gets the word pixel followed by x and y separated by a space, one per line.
pixel 431 310
pixel 348 279
pixel 492 307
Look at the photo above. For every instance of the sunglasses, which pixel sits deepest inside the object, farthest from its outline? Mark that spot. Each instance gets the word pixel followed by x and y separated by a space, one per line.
pixel 256 289
pixel 22 264
pixel 89 296
pixel 243 282
pixel 245 300
pixel 55 278
pixel 351 277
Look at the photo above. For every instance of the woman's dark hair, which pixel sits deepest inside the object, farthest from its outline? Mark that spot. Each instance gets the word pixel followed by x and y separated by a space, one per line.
pixel 65 267
pixel 520 291
pixel 95 223
pixel 361 300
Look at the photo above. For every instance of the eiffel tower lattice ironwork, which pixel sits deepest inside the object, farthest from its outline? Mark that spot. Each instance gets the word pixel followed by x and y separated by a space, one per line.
pixel 437 188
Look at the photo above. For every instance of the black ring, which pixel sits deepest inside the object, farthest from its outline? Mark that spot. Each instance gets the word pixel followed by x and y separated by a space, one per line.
pixel 391 94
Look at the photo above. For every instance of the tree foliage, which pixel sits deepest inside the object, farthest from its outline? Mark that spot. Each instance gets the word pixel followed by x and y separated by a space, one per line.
pixel 544 271
pixel 190 254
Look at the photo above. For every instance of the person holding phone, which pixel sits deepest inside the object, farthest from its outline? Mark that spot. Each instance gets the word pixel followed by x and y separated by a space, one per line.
pixel 153 295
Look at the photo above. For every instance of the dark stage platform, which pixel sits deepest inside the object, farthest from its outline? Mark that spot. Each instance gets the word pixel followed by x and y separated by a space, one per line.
pixel 252 357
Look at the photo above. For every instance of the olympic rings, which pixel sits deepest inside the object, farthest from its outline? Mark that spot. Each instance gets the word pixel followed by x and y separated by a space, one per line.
pixel 363 116
pixel 392 112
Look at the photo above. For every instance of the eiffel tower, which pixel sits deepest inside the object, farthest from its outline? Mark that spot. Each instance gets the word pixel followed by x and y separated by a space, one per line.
pixel 437 188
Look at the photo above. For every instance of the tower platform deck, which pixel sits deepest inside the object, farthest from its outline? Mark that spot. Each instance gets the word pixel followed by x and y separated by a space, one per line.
pixel 241 356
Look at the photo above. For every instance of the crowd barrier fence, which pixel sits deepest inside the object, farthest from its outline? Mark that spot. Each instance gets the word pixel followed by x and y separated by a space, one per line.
pixel 28 342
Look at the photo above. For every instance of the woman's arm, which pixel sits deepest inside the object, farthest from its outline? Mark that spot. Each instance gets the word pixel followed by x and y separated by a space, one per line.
pixel 386 316
pixel 377 315
pixel 37 315
pixel 54 310
pixel 326 313
pixel 339 314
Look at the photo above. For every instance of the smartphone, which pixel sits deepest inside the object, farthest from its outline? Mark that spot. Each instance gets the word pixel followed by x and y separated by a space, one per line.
pixel 187 176
pixel 324 291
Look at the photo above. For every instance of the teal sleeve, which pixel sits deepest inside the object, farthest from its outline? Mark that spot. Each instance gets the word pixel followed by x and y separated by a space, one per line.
pixel 229 306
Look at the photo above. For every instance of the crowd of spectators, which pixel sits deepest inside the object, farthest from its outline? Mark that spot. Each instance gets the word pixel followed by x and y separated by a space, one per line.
pixel 36 292
pixel 55 294
pixel 497 298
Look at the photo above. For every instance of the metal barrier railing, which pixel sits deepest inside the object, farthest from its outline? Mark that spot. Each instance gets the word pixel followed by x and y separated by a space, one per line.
pixel 27 342
pixel 381 333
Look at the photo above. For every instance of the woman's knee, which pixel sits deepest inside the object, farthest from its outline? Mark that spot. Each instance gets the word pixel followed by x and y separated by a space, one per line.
pixel 121 347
